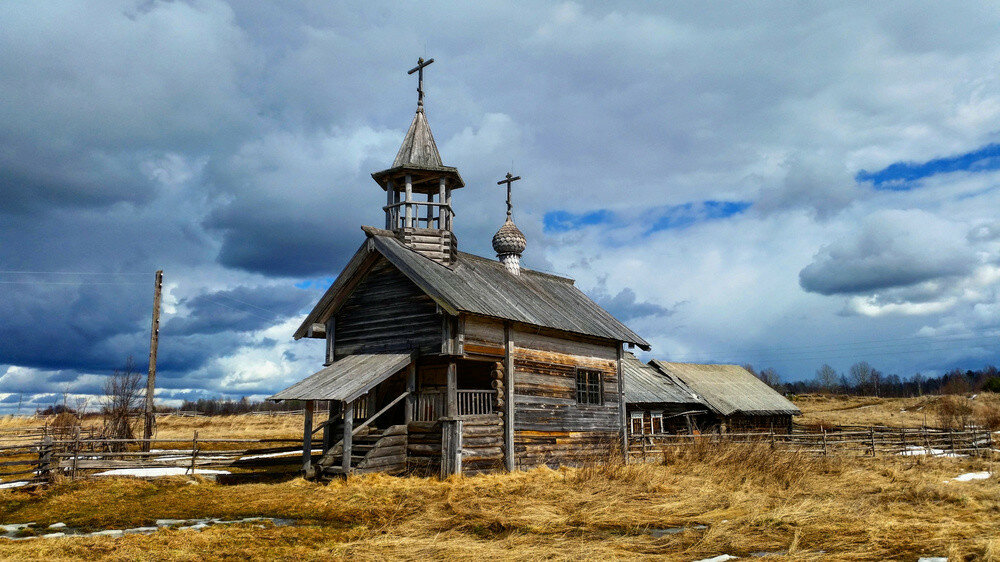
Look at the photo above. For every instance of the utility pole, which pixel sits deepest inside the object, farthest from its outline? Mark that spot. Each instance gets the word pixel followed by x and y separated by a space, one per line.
pixel 154 341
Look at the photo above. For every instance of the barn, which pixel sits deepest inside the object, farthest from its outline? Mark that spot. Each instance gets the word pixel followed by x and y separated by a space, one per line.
pixel 737 400
pixel 656 404
pixel 446 362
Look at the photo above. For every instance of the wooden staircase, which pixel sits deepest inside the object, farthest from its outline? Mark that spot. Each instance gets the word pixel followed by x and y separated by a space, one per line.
pixel 375 451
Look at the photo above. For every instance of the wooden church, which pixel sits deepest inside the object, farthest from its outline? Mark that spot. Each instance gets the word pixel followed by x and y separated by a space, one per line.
pixel 440 361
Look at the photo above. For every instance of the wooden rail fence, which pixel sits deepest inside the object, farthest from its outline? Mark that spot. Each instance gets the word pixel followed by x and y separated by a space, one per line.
pixel 42 459
pixel 870 442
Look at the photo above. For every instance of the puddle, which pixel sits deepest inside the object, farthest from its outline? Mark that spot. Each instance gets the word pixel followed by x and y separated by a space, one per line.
pixel 26 531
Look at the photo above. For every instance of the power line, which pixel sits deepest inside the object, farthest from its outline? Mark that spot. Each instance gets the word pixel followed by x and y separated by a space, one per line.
pixel 77 272
pixel 71 283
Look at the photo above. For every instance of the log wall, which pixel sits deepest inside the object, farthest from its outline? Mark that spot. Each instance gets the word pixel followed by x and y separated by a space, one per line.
pixel 482 444
pixel 550 426
pixel 423 447
pixel 387 312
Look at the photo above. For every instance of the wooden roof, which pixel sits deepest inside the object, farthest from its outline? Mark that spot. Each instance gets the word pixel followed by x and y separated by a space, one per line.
pixel 644 384
pixel 728 389
pixel 346 379
pixel 419 158
pixel 477 285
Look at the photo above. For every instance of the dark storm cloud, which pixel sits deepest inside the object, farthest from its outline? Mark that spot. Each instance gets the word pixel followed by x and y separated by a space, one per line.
pixel 892 249
pixel 625 306
pixel 239 309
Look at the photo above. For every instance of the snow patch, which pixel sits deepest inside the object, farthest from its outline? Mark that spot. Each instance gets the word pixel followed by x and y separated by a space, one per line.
pixel 969 476
pixel 719 558
pixel 273 455
pixel 157 472
pixel 18 484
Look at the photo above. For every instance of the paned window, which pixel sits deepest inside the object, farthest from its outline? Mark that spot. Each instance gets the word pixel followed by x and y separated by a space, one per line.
pixel 588 387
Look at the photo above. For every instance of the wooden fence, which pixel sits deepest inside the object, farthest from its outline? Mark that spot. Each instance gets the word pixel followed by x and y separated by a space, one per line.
pixel 869 442
pixel 40 460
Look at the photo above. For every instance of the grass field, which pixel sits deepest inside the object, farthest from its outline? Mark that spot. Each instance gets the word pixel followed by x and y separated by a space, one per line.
pixel 749 500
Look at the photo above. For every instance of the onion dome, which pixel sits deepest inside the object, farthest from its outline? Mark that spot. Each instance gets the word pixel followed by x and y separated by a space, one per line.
pixel 509 239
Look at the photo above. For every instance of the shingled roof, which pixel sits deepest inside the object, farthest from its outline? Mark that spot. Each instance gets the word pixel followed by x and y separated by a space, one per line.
pixel 477 285
pixel 728 389
pixel 418 157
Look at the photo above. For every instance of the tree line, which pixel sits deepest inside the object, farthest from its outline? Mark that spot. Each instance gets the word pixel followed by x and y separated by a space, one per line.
pixel 862 379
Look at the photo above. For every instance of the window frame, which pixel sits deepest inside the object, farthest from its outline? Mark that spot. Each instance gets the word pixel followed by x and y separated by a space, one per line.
pixel 656 418
pixel 637 416
pixel 589 387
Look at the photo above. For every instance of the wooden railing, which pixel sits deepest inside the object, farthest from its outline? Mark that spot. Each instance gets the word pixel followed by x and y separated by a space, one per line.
pixel 433 404
pixel 475 402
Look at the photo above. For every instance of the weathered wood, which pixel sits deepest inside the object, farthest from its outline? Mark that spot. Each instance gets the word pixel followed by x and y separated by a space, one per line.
pixel 307 431
pixel 452 381
pixel 348 436
pixel 509 384
pixel 154 341
pixel 621 404
pixel 451 447
pixel 330 332
pixel 383 461
pixel 387 312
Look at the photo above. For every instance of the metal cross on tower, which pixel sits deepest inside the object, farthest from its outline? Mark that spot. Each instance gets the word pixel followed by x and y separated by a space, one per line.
pixel 420 79
pixel 509 179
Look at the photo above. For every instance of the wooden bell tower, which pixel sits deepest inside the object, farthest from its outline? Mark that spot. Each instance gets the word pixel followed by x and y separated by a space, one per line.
pixel 418 189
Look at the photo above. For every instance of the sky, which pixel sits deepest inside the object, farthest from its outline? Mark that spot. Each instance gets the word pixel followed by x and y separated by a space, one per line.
pixel 783 184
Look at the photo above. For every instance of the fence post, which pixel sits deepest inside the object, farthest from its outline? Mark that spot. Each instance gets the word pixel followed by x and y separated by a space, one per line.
pixel 772 439
pixel 45 458
pixel 76 452
pixel 951 440
pixel 872 434
pixel 824 443
pixel 194 451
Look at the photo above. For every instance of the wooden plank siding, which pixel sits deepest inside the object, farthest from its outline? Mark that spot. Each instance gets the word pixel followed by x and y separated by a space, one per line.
pixel 550 426
pixel 387 312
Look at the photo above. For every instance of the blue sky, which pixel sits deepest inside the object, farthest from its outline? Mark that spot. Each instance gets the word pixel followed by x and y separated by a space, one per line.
pixel 907 175
pixel 741 183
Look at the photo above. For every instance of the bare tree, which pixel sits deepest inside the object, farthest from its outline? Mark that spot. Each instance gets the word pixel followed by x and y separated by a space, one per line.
pixel 861 375
pixel 770 377
pixel 121 405
pixel 826 377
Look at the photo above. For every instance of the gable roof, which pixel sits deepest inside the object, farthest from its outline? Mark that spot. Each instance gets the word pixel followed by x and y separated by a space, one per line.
pixel 644 384
pixel 476 285
pixel 728 389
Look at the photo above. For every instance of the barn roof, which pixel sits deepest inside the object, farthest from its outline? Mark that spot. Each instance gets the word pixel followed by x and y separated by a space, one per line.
pixel 644 384
pixel 728 389
pixel 477 285
pixel 347 378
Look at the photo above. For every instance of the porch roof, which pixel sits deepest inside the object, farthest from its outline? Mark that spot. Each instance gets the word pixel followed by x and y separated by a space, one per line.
pixel 346 379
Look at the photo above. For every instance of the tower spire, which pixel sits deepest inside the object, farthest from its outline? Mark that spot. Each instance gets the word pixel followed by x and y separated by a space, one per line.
pixel 419 69
pixel 509 241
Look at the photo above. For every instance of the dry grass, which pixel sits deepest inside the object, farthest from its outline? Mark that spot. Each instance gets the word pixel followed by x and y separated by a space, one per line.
pixel 931 410
pixel 750 498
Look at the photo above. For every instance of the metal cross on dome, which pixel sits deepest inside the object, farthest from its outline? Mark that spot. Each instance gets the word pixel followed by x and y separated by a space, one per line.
pixel 420 78
pixel 509 179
